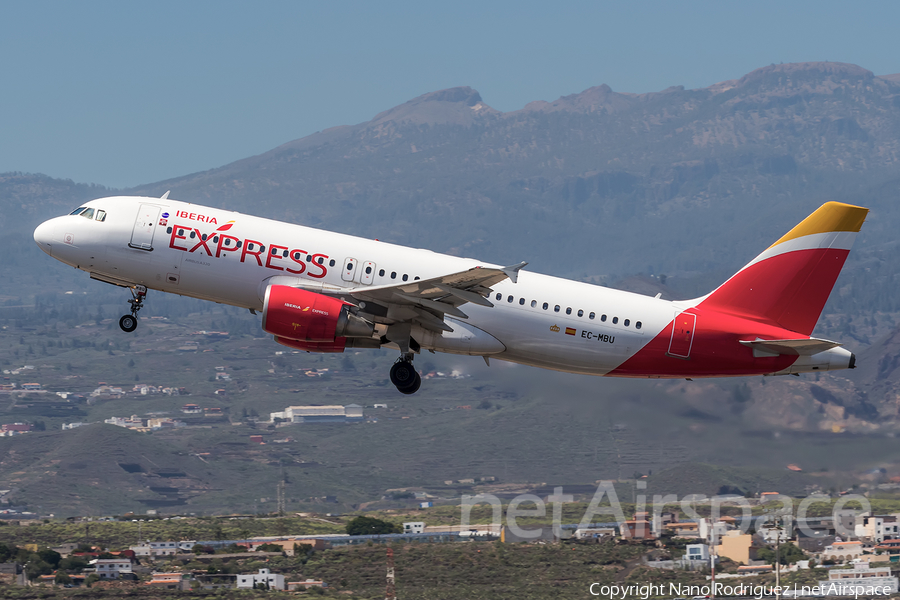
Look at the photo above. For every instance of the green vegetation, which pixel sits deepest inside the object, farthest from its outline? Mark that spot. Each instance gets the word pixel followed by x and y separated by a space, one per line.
pixel 363 525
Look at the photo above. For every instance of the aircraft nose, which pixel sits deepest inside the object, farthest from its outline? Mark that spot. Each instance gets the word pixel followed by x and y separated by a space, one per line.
pixel 44 236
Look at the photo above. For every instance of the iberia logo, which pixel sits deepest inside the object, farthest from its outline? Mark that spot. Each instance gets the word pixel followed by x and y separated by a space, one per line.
pixel 226 226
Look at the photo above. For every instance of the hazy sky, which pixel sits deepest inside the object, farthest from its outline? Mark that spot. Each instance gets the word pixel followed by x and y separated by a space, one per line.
pixel 124 93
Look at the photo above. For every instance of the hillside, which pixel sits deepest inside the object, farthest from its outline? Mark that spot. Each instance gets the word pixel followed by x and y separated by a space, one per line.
pixel 602 186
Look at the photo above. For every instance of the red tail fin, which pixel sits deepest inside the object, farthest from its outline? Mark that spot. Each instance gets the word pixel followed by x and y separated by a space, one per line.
pixel 789 283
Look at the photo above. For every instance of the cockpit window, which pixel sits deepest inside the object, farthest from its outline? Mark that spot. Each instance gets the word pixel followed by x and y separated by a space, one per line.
pixel 88 214
pixel 77 211
pixel 101 215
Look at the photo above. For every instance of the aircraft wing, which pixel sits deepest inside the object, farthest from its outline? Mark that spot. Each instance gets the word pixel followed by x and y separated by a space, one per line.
pixel 428 300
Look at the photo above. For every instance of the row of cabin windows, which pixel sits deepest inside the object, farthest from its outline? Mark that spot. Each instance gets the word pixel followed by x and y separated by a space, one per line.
pixel 580 313
pixel 381 273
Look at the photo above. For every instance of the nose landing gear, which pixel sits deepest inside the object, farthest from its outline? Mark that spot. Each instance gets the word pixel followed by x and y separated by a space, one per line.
pixel 404 375
pixel 129 323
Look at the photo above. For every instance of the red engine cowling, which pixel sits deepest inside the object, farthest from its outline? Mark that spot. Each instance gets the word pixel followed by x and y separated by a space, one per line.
pixel 336 346
pixel 310 321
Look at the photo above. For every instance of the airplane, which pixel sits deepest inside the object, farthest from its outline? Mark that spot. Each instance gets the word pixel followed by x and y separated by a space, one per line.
pixel 320 291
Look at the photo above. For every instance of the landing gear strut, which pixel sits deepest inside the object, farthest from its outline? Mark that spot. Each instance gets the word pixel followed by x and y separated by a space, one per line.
pixel 129 323
pixel 404 375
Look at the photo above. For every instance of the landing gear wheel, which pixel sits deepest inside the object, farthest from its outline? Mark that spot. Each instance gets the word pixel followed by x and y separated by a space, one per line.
pixel 412 389
pixel 404 376
pixel 128 323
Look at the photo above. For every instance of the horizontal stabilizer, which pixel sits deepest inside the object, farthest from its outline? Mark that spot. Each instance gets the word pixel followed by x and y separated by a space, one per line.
pixel 801 347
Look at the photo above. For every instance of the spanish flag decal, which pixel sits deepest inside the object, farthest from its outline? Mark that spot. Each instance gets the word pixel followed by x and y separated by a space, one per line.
pixel 570 331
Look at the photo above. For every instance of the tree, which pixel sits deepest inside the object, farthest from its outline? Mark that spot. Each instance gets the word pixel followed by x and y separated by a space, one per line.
pixel 371 526
pixel 62 578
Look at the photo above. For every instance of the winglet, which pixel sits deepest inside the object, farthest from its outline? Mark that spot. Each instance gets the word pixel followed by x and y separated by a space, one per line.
pixel 165 196
pixel 513 271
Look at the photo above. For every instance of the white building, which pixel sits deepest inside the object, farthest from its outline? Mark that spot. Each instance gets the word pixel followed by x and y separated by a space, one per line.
pixel 112 568
pixel 414 527
pixel 861 581
pixel 333 413
pixel 696 552
pixel 877 528
pixel 154 549
pixel 275 581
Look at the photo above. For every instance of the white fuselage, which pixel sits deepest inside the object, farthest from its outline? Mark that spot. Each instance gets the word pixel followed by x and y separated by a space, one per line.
pixel 583 329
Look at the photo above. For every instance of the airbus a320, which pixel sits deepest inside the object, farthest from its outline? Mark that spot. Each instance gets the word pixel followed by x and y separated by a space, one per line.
pixel 325 292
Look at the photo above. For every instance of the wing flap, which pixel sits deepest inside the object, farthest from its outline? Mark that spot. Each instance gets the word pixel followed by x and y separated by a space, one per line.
pixel 800 347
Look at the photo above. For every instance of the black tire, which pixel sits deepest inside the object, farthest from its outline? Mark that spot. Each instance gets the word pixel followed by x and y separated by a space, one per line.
pixel 413 388
pixel 128 323
pixel 403 375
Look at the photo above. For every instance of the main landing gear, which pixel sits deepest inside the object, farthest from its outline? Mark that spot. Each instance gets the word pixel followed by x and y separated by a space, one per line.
pixel 129 323
pixel 404 375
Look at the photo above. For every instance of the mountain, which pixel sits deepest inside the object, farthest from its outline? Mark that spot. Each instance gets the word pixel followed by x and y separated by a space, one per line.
pixel 592 184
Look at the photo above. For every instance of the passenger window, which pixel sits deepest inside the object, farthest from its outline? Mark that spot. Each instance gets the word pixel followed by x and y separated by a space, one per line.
pixel 405 277
pixel 77 211
pixel 262 248
pixel 274 251
pixel 88 214
pixel 393 274
pixel 591 316
pixel 193 234
pixel 627 322
pixel 320 261
pixel 368 270
pixel 101 215
pixel 228 243
pixel 533 303
pixel 580 313
pixel 203 237
pixel 499 297
pixel 569 310
pixel 181 232
pixel 381 273
pixel 331 264
pixel 521 301
pixel 556 308
pixel 416 278
pixel 637 325
pixel 615 320
pixel 309 258
pixel 603 318
pixel 238 245
pixel 509 299
pixel 545 306
pixel 295 255
pixel 168 230
pixel 349 266
pixel 216 240
pixel 284 253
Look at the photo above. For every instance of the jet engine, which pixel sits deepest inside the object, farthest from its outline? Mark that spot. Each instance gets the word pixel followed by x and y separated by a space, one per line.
pixel 310 321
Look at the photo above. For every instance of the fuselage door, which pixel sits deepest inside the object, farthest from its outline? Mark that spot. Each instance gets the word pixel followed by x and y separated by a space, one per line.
pixel 368 273
pixel 682 335
pixel 144 226
pixel 349 269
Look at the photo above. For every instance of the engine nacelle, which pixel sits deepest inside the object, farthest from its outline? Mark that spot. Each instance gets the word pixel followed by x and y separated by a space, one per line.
pixel 294 314
pixel 336 346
